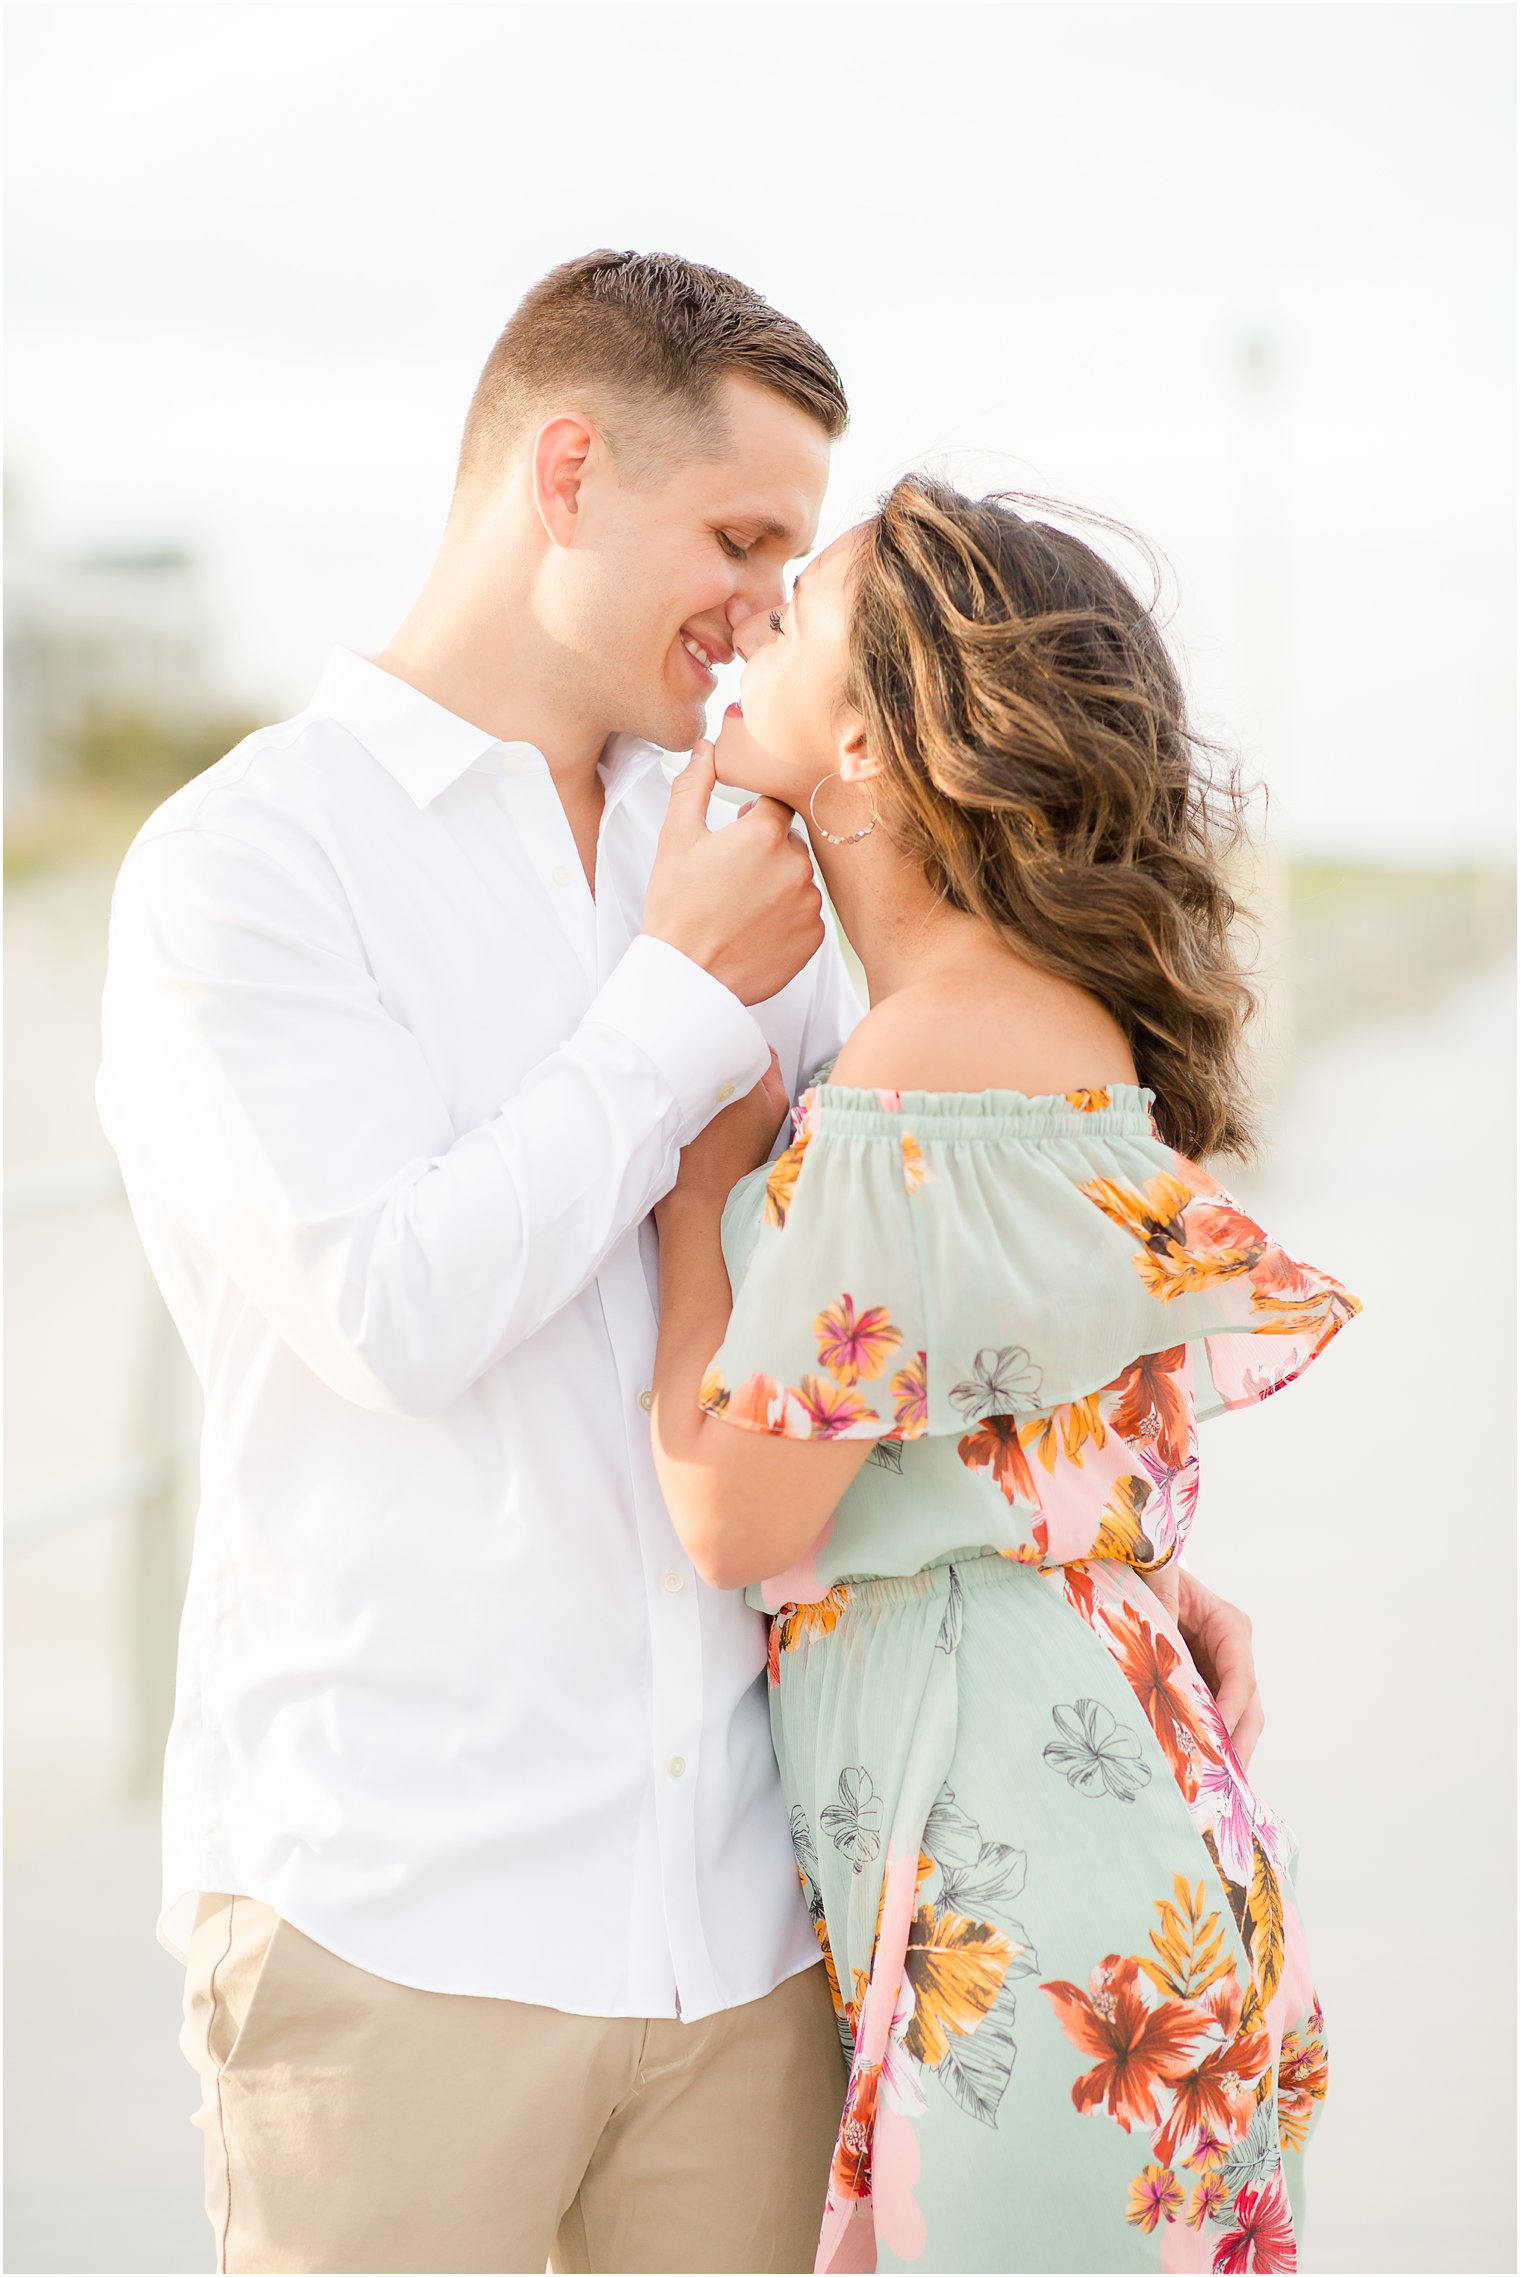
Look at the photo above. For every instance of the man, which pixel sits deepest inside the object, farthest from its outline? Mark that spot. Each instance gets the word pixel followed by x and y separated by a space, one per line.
pixel 473 1834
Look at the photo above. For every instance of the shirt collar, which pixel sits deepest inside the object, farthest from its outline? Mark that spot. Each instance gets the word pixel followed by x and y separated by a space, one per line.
pixel 425 747
pixel 625 761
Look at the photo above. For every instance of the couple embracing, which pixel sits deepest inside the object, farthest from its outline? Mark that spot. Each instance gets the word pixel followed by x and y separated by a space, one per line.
pixel 693 1748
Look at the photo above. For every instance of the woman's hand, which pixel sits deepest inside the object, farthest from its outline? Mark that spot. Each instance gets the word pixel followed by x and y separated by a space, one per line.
pixel 734 1143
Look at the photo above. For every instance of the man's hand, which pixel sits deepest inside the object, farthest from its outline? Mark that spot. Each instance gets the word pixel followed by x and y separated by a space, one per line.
pixel 741 902
pixel 1218 1635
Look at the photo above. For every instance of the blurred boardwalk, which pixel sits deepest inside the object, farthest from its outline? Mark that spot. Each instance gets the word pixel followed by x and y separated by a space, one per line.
pixel 1365 1520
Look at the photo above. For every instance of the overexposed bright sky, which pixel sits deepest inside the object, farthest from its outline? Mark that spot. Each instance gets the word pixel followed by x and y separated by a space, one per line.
pixel 257 253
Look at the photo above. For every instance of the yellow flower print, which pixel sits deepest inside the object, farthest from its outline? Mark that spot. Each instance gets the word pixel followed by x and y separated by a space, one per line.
pixel 1089 1102
pixel 782 1182
pixel 1065 1430
pixel 1211 2201
pixel 915 1169
pixel 910 1397
pixel 832 1410
pixel 852 1344
pixel 956 1968
pixel 1120 1533
pixel 1154 2196
pixel 1302 2071
pixel 712 1398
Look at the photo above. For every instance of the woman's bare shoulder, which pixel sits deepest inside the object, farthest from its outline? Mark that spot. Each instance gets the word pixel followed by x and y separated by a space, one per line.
pixel 1036 1035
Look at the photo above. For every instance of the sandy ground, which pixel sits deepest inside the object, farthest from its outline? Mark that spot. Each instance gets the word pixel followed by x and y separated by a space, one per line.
pixel 1365 1519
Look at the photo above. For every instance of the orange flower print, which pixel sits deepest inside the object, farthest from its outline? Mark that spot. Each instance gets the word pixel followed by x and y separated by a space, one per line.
pixel 910 1397
pixel 782 1182
pixel 1185 1244
pixel 758 1403
pixel 994 1446
pixel 1089 1102
pixel 1150 1662
pixel 1219 2089
pixel 851 1344
pixel 915 1169
pixel 1151 1402
pixel 831 1409
pixel 1211 2201
pixel 794 1622
pixel 1302 2076
pixel 850 2176
pixel 1139 2049
pixel 1154 2196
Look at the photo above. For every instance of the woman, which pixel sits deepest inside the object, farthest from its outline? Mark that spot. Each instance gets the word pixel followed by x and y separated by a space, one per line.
pixel 977 1306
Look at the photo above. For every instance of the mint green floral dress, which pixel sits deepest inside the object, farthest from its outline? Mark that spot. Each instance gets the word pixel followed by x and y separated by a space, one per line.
pixel 1058 1921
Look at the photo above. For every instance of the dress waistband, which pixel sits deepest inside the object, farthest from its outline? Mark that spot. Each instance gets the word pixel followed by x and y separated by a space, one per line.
pixel 978 1569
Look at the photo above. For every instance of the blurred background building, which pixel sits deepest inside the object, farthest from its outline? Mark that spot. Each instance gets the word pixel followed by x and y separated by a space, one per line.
pixel 92 639
pixel 1242 277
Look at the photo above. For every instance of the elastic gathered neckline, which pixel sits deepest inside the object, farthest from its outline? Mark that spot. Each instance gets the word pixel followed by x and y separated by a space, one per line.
pixel 978 1114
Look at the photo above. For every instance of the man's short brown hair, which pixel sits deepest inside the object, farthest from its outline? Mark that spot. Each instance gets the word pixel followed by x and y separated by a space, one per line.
pixel 643 341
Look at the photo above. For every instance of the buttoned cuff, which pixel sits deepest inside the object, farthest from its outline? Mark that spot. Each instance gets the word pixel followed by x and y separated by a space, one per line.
pixel 707 1046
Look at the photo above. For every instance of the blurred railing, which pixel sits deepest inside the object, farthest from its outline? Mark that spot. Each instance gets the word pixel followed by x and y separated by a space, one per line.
pixel 148 1489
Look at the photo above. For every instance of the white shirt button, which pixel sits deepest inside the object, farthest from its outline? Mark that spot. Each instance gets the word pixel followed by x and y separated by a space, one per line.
pixel 513 762
pixel 646 1399
pixel 674 1582
pixel 725 1091
pixel 676 1766
pixel 561 873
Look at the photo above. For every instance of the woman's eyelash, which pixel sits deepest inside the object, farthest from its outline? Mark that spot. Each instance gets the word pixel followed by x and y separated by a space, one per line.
pixel 774 620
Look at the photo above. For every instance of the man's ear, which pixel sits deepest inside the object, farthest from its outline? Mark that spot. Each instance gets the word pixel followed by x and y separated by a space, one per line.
pixel 854 762
pixel 562 452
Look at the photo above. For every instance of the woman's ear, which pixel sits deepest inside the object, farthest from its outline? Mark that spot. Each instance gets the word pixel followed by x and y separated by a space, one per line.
pixel 854 762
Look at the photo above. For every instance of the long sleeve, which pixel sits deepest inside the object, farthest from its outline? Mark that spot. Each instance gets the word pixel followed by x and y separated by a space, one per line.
pixel 255 1081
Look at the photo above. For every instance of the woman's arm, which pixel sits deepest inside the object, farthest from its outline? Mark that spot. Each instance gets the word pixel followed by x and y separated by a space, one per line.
pixel 745 1505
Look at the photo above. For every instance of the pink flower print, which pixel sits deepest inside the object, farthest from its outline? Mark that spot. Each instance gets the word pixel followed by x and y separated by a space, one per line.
pixel 1263 2234
pixel 901 2080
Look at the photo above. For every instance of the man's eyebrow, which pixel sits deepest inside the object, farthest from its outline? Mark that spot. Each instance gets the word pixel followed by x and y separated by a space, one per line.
pixel 766 526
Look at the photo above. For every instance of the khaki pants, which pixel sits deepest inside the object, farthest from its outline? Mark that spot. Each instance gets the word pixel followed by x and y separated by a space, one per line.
pixel 353 2124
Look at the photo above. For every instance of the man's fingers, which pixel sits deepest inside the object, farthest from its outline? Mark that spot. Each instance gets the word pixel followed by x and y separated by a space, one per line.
pixel 774 812
pixel 691 792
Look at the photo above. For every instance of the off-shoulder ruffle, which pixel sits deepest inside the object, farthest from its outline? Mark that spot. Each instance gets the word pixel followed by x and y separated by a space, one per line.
pixel 923 1262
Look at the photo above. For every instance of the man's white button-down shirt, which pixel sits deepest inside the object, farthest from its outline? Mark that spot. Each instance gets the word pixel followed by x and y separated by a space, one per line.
pixel 393 1094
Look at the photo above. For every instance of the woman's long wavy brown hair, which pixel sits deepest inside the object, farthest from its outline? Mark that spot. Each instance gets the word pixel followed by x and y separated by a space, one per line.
pixel 1038 762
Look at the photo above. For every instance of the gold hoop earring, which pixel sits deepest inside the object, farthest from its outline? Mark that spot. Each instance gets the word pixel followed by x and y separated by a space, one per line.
pixel 853 837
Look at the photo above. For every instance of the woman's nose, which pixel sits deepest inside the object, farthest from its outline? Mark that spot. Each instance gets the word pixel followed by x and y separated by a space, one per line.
pixel 750 631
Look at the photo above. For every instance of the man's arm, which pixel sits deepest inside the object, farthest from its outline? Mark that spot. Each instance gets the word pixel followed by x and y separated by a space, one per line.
pixel 253 1077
